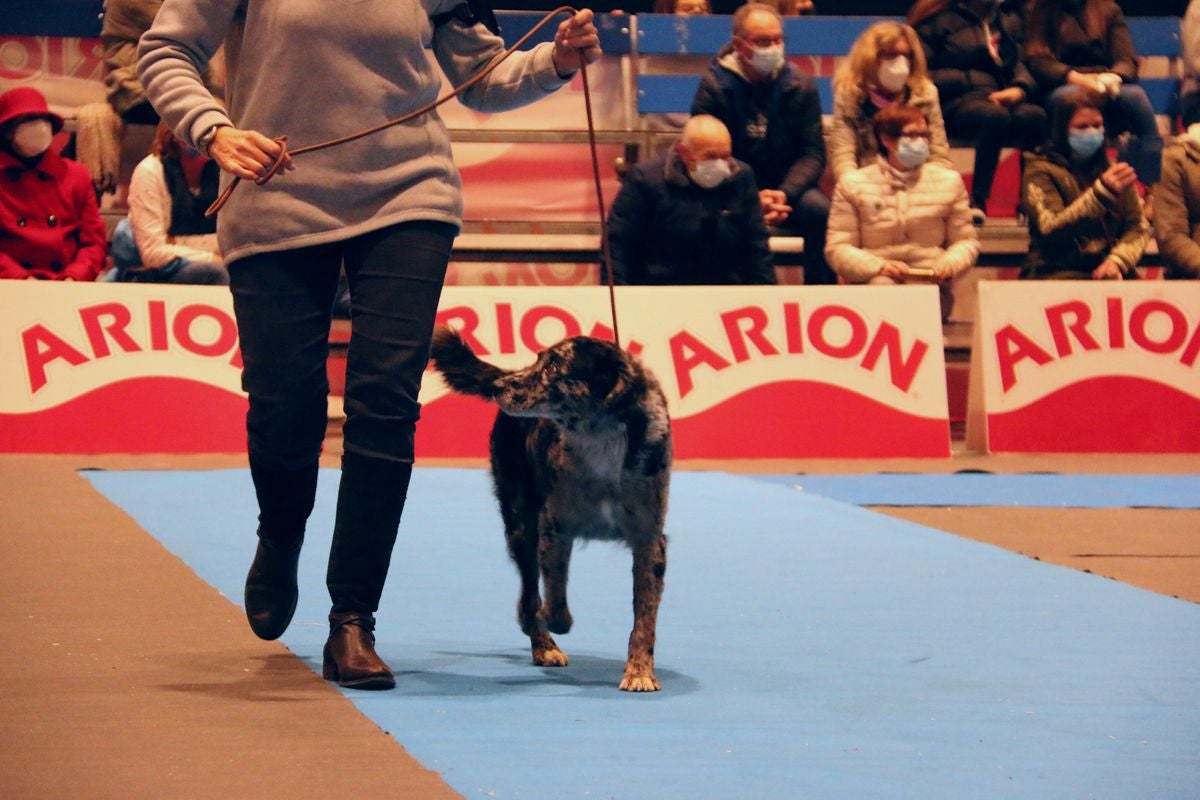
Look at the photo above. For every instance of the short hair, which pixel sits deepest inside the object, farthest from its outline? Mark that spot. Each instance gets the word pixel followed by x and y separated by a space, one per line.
pixel 739 16
pixel 892 121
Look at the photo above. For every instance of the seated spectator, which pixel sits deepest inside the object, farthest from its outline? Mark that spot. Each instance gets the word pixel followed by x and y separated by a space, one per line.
pixel 50 225
pixel 885 68
pixel 1189 42
pixel 773 113
pixel 973 49
pixel 166 237
pixel 1085 219
pixel 692 217
pixel 1177 207
pixel 903 218
pixel 1085 45
pixel 124 22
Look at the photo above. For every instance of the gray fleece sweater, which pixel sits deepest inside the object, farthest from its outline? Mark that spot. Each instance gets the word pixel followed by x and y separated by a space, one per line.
pixel 318 69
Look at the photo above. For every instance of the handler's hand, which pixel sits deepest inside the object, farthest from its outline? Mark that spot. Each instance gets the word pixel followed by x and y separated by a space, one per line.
pixel 246 154
pixel 576 43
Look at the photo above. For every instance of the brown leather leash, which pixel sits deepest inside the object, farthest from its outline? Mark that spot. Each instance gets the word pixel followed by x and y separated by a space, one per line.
pixel 277 164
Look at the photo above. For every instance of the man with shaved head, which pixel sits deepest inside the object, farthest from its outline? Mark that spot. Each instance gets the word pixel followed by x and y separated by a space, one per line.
pixel 773 114
pixel 691 217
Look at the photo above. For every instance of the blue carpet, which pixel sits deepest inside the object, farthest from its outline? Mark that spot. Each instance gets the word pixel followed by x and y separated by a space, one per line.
pixel 973 489
pixel 807 649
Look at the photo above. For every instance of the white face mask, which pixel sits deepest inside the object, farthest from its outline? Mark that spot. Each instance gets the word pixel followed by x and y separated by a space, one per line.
pixel 711 173
pixel 912 151
pixel 767 60
pixel 893 73
pixel 33 138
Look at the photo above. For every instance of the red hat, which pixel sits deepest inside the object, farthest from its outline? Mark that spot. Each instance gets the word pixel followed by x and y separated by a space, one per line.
pixel 27 100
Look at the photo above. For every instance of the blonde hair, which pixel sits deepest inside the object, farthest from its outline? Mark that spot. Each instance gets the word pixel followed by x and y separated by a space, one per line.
pixel 857 74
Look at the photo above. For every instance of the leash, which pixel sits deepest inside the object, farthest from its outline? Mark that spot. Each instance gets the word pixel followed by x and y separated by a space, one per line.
pixel 277 164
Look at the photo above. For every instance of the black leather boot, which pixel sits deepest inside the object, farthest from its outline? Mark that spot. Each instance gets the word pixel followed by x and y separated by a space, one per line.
pixel 350 657
pixel 285 499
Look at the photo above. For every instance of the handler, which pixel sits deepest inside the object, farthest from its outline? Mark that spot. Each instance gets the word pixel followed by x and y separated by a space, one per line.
pixel 388 206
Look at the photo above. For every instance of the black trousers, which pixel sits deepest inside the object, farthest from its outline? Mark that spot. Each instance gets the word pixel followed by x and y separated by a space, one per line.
pixel 283 302
pixel 993 126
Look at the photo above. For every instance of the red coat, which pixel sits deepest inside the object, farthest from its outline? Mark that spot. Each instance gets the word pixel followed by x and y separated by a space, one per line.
pixel 50 225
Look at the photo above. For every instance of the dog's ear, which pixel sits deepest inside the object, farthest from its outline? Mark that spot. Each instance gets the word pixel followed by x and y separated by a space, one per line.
pixel 625 384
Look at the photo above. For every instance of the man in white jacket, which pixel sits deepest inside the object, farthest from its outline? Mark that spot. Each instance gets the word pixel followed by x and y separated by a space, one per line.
pixel 901 219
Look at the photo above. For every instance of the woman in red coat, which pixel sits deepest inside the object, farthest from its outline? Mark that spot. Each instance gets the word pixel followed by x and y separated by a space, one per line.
pixel 50 225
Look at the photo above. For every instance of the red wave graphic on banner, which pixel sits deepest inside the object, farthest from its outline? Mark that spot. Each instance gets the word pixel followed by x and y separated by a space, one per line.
pixel 794 419
pixel 1110 414
pixel 140 415
pixel 806 419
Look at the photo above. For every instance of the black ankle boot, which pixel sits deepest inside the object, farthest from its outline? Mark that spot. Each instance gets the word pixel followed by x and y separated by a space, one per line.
pixel 350 657
pixel 285 499
pixel 271 590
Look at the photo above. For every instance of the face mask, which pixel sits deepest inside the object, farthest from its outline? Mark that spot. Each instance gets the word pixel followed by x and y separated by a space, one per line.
pixel 33 138
pixel 893 73
pixel 710 173
pixel 912 151
pixel 1084 143
pixel 767 60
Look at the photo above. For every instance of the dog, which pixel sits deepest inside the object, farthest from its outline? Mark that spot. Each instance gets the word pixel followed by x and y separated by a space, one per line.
pixel 580 449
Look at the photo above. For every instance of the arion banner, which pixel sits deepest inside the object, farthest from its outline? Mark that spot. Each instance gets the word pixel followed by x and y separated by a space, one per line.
pixel 749 372
pixel 1086 367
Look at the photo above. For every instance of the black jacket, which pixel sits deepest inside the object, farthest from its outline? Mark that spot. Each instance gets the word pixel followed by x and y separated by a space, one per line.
pixel 664 229
pixel 1073 49
pixel 960 62
pixel 775 125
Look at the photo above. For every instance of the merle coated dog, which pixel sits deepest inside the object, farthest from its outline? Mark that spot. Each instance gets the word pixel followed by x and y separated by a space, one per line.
pixel 581 449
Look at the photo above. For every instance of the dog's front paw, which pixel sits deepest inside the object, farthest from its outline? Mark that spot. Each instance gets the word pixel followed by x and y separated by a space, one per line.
pixel 549 657
pixel 633 682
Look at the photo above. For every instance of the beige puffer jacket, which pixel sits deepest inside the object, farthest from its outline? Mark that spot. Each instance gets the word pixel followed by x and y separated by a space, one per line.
pixel 920 217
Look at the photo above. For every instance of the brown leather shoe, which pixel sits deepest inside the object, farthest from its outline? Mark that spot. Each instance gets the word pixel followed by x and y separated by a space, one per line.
pixel 350 657
pixel 271 591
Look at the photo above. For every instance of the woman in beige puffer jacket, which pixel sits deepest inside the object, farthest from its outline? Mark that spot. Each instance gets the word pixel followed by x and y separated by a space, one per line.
pixel 889 218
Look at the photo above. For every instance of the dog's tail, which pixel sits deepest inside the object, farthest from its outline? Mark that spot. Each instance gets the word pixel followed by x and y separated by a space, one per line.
pixel 463 370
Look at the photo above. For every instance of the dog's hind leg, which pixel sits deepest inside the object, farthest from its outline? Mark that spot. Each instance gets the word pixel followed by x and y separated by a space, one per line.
pixel 649 567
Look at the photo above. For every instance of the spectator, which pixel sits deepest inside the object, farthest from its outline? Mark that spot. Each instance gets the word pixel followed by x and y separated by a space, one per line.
pixel 1085 219
pixel 1177 206
pixel 691 217
pixel 1085 45
pixel 773 114
pixel 166 237
pixel 50 225
pixel 885 67
pixel 902 219
pixel 973 49
pixel 1189 40
pixel 124 22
